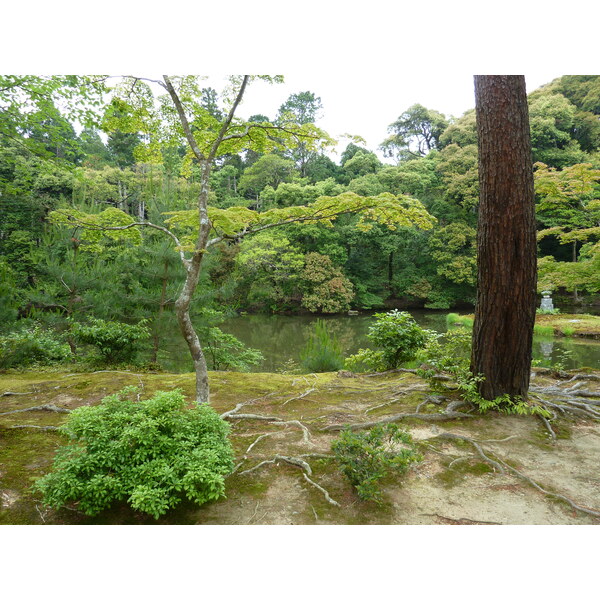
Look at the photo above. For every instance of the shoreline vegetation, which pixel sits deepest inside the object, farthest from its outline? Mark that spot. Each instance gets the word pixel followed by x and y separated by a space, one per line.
pixel 562 325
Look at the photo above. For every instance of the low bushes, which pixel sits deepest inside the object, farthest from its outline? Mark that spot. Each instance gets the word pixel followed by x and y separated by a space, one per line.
pixel 150 453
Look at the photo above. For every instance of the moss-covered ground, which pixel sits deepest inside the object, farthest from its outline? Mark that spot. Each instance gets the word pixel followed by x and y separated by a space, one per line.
pixel 451 484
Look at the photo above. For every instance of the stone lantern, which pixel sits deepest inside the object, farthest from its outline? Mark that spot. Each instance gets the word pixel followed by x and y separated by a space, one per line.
pixel 547 301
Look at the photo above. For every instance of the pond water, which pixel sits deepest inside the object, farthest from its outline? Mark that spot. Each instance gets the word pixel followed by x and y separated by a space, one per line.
pixel 281 339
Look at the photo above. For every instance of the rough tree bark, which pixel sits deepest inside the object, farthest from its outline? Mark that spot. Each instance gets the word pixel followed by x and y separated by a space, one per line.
pixel 506 239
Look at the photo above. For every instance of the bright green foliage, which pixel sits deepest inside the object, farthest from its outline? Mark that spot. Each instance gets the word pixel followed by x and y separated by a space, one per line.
pixel 268 268
pixel 454 250
pixel 386 209
pixel 115 342
pixel 366 457
pixel 325 287
pixel 583 274
pixel 362 163
pixel 223 351
pixel 8 294
pixel 569 206
pixel 94 235
pixel 270 169
pixel 415 133
pixel 28 106
pixel 32 346
pixel 226 353
pixel 399 338
pixel 366 359
pixel 135 110
pixel 151 453
pixel 323 351
pixel 568 200
pixel 551 118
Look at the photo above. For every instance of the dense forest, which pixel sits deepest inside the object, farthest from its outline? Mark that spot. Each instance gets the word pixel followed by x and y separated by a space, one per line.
pixel 66 144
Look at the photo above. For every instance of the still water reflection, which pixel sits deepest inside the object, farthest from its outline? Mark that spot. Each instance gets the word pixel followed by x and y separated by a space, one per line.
pixel 281 338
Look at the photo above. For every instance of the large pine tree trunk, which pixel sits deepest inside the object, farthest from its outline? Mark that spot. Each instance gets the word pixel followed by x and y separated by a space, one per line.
pixel 506 239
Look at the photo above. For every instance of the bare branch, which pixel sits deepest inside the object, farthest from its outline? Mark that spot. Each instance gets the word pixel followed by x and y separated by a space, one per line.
pixel 183 118
pixel 228 119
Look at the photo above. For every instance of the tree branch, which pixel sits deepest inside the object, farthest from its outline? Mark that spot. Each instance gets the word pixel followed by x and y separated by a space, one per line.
pixel 183 118
pixel 228 119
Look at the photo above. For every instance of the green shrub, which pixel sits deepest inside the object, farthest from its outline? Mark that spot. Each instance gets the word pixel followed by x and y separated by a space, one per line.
pixel 150 453
pixel 366 360
pixel 323 352
pixel 32 346
pixel 367 457
pixel 568 331
pixel 398 339
pixel 115 342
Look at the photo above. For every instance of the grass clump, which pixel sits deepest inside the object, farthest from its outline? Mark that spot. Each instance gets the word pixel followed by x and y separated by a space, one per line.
pixel 367 457
pixel 323 352
pixel 150 453
pixel 543 330
pixel 456 319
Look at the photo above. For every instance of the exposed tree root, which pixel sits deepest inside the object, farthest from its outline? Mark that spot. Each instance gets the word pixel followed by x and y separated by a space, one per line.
pixel 38 427
pixel 548 427
pixel 306 393
pixel 274 420
pixel 502 465
pixel 48 407
pixel 445 416
pixel 387 404
pixel 260 437
pixel 227 414
pixel 9 393
pixel 584 376
pixel 296 461
pixel 566 402
pixel 95 372
pixel 453 436
pixel 414 371
pixel 548 493
pixel 292 460
pixel 461 521
pixel 322 490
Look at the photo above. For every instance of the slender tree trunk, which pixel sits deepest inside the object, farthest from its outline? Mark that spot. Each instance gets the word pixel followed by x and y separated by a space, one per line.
pixel 193 265
pixel 182 304
pixel 506 240
pixel 575 296
pixel 161 308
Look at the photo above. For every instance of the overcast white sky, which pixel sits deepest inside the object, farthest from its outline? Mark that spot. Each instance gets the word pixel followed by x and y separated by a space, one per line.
pixel 366 103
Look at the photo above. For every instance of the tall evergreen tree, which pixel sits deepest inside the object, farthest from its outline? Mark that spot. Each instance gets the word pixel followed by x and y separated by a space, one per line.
pixel 506 239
